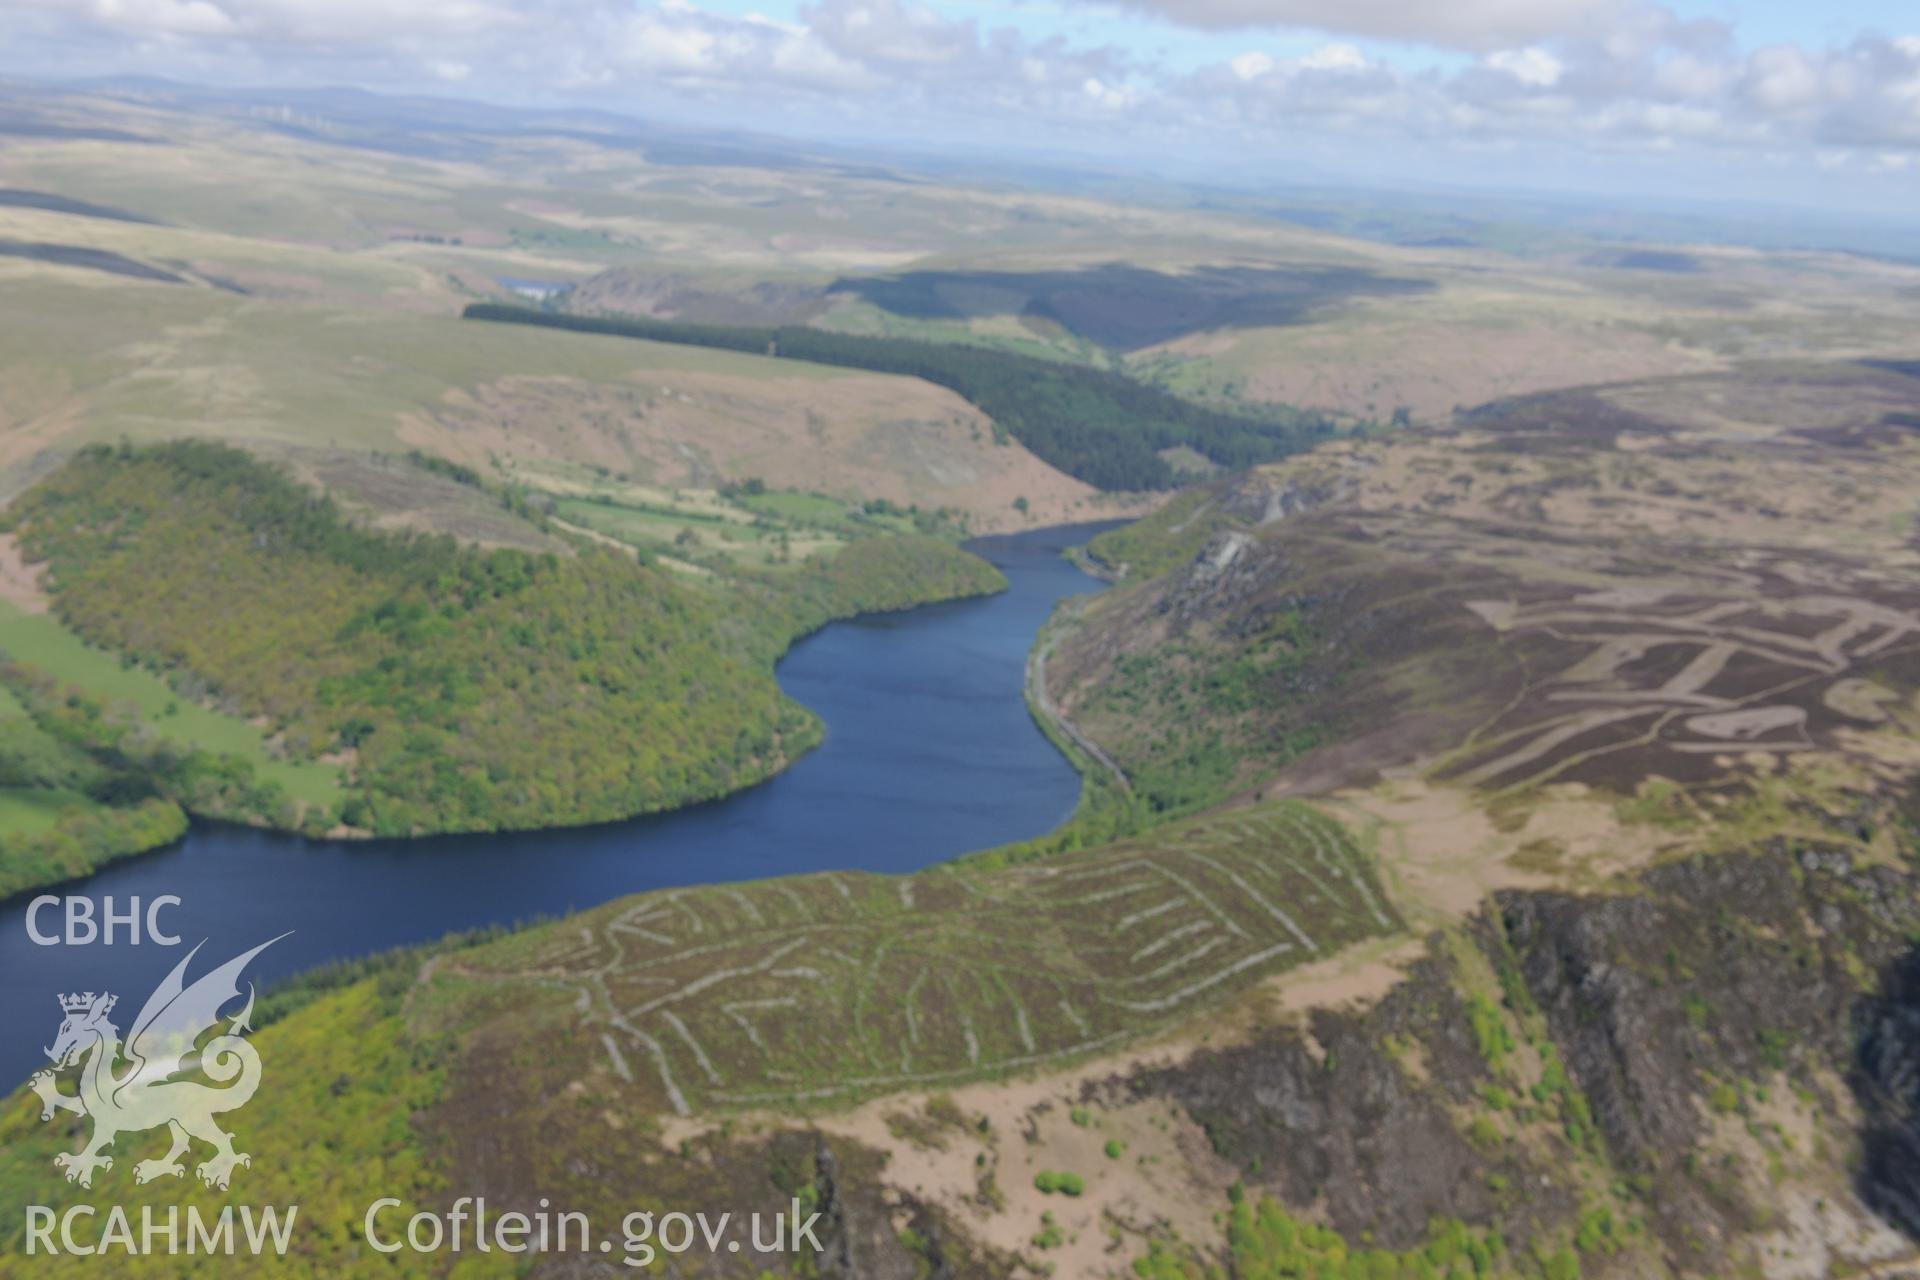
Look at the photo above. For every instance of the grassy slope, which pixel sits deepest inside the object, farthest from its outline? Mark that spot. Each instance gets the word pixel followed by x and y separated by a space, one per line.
pixel 89 358
pixel 153 360
pixel 854 984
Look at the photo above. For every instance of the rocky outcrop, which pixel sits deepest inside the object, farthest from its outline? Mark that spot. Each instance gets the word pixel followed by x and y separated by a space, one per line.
pixel 1357 1113
pixel 1686 1014
pixel 1726 976
pixel 1886 1083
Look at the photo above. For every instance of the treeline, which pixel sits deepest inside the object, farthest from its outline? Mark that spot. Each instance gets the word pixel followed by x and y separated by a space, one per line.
pixel 84 840
pixel 1098 426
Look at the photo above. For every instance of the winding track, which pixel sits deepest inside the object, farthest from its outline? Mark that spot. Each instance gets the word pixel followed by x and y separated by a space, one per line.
pixel 1042 701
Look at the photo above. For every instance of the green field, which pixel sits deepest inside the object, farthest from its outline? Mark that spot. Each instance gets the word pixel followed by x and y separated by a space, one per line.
pixel 695 535
pixel 28 811
pixel 739 527
pixel 798 506
pixel 40 640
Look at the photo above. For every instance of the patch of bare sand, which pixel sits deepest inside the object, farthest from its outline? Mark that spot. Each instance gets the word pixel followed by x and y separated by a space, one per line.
pixel 1165 1178
pixel 1442 850
pixel 19 581
pixel 1355 978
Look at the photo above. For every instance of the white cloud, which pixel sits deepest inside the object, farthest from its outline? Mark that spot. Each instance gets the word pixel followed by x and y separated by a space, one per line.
pixel 1456 24
pixel 1783 78
pixel 1671 83
pixel 287 24
pixel 166 17
pixel 889 31
pixel 1108 96
pixel 1532 66
pixel 1251 65
pixel 1685 76
pixel 1335 57
pixel 1566 74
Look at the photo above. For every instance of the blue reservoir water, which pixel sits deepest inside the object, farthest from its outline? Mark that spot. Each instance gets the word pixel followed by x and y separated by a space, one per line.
pixel 929 753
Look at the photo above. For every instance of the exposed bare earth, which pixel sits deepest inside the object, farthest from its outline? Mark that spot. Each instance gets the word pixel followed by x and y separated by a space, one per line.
pixel 19 582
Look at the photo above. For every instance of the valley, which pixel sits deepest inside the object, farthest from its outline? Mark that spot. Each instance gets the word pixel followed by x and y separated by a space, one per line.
pixel 1073 732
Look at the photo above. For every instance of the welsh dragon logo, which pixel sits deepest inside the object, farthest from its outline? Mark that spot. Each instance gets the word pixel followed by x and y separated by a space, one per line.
pixel 129 1088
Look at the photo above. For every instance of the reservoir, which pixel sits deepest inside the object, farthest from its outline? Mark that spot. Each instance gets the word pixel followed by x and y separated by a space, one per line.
pixel 929 753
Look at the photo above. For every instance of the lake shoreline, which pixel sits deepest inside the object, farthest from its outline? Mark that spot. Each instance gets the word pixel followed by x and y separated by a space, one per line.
pixel 930 753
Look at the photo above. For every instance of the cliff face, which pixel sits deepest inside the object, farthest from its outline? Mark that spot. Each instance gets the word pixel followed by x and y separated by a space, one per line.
pixel 1709 1071
pixel 1886 1081
pixel 1731 989
pixel 1723 1057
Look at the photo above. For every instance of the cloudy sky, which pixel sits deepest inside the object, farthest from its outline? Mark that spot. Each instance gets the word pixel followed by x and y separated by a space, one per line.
pixel 1782 99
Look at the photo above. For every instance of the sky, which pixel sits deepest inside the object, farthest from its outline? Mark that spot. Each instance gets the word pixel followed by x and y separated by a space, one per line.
pixel 1812 104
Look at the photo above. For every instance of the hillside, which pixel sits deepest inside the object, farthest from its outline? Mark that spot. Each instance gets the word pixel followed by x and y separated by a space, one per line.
pixel 316 312
pixel 89 359
pixel 1099 427
pixel 455 688
pixel 1580 956
pixel 1704 1070
pixel 1694 579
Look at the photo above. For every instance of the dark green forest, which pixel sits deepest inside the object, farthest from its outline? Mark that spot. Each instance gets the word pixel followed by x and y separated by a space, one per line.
pixel 1097 426
pixel 463 689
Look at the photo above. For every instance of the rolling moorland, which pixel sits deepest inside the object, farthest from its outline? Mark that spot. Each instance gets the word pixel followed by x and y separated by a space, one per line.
pixel 1498 849
pixel 1590 969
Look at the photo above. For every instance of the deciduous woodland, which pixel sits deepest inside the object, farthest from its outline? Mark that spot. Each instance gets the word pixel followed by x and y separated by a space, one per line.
pixel 459 689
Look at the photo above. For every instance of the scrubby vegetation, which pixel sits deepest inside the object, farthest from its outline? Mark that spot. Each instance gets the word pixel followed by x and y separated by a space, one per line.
pixel 343 1083
pixel 82 837
pixel 1266 1243
pixel 465 689
pixel 1166 539
pixel 1206 710
pixel 1100 427
pixel 877 575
